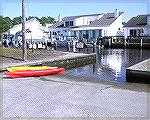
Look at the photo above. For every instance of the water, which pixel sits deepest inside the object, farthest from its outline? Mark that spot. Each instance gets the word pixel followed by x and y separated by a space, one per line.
pixel 111 64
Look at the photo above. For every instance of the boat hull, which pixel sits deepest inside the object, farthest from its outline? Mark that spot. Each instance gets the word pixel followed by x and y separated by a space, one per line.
pixel 12 69
pixel 33 73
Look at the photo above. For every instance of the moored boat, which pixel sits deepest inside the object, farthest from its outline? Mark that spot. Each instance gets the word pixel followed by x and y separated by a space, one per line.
pixel 32 73
pixel 12 69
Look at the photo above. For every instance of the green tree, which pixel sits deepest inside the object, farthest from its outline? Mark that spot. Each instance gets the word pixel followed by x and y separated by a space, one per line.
pixel 48 19
pixel 51 20
pixel 17 20
pixel 30 17
pixel 5 24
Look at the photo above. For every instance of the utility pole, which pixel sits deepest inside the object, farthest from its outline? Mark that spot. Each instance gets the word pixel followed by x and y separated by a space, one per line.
pixel 24 46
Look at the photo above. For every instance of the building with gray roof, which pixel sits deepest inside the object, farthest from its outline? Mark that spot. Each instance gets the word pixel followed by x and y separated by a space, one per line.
pixel 89 26
pixel 138 26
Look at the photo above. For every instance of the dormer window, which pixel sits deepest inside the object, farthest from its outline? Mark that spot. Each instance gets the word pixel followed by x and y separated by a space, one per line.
pixel 71 23
pixel 68 23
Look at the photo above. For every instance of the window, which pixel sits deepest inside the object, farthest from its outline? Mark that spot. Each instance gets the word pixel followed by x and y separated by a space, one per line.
pixel 133 32
pixel 100 33
pixel 71 23
pixel 54 33
pixel 68 23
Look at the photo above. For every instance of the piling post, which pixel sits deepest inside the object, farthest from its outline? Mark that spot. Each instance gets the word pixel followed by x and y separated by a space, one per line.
pixel 109 40
pixel 93 48
pixel 125 42
pixel 68 46
pixel 74 46
pixel 55 45
pixel 141 42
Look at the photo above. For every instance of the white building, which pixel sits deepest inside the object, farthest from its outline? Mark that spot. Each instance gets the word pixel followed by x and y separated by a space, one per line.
pixel 138 26
pixel 88 26
pixel 34 31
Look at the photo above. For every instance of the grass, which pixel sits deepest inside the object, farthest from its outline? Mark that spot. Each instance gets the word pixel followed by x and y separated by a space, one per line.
pixel 17 53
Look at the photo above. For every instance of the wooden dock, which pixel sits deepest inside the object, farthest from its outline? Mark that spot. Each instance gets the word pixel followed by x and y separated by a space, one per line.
pixel 139 73
pixel 130 42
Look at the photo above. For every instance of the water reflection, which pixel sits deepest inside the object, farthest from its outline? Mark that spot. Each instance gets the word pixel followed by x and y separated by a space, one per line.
pixel 111 64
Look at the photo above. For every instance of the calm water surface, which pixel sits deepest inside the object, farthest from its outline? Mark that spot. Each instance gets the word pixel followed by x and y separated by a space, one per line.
pixel 111 64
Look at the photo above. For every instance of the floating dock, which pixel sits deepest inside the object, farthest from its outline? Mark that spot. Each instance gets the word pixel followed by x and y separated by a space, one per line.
pixel 139 73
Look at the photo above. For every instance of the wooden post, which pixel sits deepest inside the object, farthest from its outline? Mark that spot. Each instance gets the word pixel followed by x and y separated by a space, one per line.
pixel 32 43
pixel 110 43
pixel 24 46
pixel 141 42
pixel 93 48
pixel 55 45
pixel 74 46
pixel 125 42
pixel 68 46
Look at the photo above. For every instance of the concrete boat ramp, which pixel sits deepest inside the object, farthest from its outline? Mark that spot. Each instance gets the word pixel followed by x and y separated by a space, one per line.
pixel 139 73
pixel 64 97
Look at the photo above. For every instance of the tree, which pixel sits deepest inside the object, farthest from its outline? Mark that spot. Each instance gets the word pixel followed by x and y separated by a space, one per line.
pixel 30 17
pixel 17 20
pixel 48 20
pixel 5 24
pixel 51 20
pixel 8 20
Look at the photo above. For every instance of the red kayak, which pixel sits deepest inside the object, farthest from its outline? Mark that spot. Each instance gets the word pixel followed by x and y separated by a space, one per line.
pixel 31 73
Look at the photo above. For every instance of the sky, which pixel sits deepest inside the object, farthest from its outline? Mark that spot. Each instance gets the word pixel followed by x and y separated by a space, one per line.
pixel 40 8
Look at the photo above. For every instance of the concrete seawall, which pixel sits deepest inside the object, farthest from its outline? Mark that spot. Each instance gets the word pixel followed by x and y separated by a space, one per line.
pixel 139 73
pixel 66 60
pixel 72 62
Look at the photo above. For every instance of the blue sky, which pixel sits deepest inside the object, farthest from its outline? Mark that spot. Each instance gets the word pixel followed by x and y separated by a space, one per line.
pixel 53 8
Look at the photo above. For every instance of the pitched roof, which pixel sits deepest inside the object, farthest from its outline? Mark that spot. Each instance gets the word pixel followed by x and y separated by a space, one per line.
pixel 32 19
pixel 74 17
pixel 106 20
pixel 138 21
pixel 57 24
